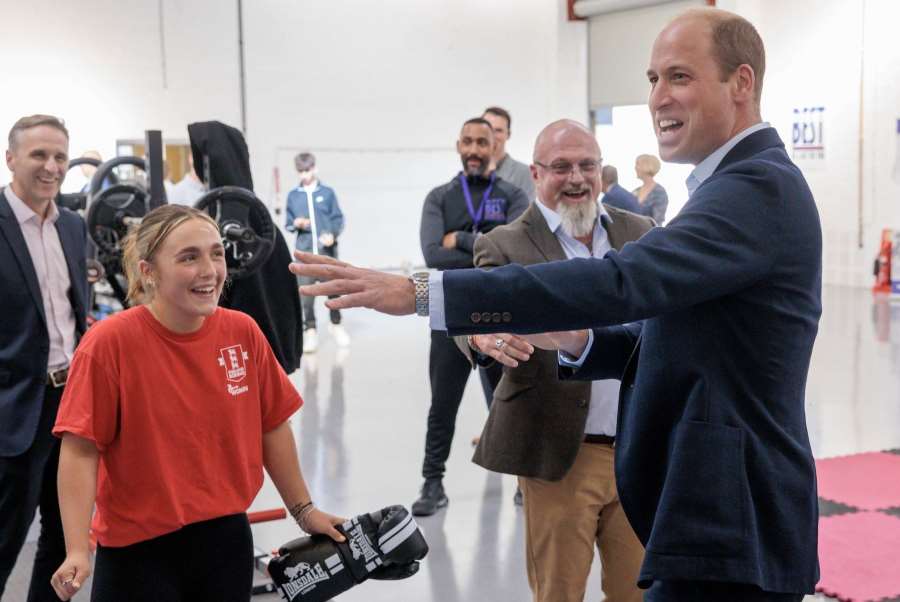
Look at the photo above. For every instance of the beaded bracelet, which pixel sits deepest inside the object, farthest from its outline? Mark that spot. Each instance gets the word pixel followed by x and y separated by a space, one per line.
pixel 301 513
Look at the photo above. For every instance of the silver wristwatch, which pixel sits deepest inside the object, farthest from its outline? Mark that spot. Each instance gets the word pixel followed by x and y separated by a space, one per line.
pixel 420 281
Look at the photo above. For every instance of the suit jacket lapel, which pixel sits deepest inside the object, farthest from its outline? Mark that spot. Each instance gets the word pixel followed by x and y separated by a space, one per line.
pixel 751 145
pixel 539 233
pixel 10 228
pixel 617 231
pixel 70 251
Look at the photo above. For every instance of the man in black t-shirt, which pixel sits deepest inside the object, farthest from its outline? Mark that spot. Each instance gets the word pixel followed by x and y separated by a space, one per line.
pixel 474 202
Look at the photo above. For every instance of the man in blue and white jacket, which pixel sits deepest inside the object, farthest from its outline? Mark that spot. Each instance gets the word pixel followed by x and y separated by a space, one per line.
pixel 314 214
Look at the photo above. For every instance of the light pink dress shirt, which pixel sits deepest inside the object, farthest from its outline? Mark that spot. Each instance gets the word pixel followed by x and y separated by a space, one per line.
pixel 52 272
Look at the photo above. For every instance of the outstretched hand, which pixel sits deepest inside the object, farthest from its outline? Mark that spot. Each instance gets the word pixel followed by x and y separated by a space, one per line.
pixel 572 342
pixel 356 287
pixel 508 349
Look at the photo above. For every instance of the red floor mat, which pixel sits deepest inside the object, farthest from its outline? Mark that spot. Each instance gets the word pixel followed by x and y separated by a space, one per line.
pixel 868 481
pixel 858 555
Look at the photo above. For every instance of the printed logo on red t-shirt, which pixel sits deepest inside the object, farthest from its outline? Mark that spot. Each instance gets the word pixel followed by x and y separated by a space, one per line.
pixel 233 359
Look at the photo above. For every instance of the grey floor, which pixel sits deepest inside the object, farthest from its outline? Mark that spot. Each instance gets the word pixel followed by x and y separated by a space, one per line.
pixel 362 429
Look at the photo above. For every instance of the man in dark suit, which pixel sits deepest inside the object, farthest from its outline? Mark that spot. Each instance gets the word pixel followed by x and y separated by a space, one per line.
pixel 615 195
pixel 44 282
pixel 713 461
pixel 570 498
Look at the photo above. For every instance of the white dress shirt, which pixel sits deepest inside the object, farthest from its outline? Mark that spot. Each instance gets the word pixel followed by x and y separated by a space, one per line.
pixel 52 273
pixel 604 408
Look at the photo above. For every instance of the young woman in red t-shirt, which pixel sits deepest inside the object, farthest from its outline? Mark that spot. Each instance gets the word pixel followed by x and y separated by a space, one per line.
pixel 172 409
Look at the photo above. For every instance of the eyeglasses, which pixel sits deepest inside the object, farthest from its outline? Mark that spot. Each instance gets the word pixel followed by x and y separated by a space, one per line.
pixel 587 168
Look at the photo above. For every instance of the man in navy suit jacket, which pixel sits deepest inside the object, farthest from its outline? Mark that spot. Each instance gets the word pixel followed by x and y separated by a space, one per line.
pixel 44 282
pixel 710 323
pixel 615 195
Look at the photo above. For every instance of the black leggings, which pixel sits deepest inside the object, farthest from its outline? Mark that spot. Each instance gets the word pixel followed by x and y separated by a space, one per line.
pixel 209 560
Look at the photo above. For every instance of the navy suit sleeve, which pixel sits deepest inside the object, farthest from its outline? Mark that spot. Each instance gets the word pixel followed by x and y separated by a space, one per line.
pixel 724 240
pixel 609 354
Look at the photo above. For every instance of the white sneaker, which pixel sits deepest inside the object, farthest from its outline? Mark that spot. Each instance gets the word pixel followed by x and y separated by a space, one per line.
pixel 310 340
pixel 341 338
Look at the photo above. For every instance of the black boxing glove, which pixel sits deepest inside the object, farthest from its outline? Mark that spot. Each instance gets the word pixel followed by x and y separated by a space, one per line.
pixel 386 544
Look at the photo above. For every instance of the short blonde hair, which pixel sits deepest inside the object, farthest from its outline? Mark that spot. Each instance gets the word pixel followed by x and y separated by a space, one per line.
pixel 143 242
pixel 647 164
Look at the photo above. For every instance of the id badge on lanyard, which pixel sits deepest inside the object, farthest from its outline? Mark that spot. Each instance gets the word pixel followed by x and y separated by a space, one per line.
pixel 477 216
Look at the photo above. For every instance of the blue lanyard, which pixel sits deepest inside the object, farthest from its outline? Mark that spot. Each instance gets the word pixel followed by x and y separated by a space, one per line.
pixel 476 216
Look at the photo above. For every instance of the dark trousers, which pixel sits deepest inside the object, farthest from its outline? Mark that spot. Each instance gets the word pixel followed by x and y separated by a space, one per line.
pixel 448 370
pixel 712 591
pixel 309 303
pixel 209 560
pixel 28 482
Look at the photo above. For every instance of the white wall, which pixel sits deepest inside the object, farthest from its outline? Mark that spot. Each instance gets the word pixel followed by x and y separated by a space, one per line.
pixel 817 53
pixel 377 90
pixel 620 45
pixel 98 64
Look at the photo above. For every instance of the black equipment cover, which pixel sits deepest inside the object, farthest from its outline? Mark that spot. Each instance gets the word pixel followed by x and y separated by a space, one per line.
pixel 270 295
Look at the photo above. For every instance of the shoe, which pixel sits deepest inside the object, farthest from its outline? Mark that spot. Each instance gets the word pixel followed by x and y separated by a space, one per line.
pixel 517 498
pixel 340 356
pixel 310 340
pixel 431 499
pixel 341 338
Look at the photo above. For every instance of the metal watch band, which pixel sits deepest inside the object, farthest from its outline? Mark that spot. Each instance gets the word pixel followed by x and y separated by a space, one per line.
pixel 420 281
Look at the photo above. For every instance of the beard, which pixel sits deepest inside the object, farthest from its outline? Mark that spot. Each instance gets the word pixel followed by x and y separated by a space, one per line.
pixel 578 219
pixel 474 171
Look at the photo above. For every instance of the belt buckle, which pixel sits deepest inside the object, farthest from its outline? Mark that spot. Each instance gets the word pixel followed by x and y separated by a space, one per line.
pixel 58 378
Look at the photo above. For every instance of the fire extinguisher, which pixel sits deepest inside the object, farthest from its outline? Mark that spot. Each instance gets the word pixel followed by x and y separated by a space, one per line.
pixel 883 263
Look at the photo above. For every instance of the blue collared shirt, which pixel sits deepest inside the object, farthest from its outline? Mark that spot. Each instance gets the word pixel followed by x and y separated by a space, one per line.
pixel 708 166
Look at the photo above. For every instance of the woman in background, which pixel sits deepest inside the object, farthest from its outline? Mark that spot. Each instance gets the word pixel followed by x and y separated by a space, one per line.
pixel 652 196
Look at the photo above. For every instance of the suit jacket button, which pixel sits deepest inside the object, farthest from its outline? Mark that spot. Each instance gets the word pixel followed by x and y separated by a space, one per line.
pixel 507 317
pixel 496 317
pixel 486 317
pixel 582 403
pixel 475 317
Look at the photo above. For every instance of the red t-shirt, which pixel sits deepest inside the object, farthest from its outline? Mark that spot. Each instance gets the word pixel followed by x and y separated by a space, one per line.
pixel 178 419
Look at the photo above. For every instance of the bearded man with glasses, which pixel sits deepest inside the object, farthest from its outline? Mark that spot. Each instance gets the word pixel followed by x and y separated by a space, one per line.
pixel 558 437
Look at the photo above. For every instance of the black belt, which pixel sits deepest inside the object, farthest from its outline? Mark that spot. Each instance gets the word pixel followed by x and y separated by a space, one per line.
pixel 57 378
pixel 601 439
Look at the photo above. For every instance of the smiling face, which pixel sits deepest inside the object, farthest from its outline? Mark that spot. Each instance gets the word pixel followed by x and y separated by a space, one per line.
pixel 475 145
pixel 693 111
pixel 188 272
pixel 38 162
pixel 561 144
